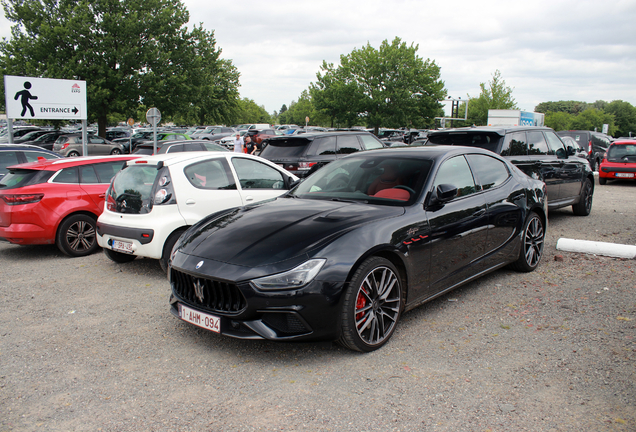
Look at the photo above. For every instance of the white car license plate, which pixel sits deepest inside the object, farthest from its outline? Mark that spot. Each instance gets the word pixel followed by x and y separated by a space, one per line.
pixel 625 175
pixel 122 246
pixel 203 320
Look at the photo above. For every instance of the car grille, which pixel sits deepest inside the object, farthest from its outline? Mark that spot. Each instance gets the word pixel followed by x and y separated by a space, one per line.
pixel 207 294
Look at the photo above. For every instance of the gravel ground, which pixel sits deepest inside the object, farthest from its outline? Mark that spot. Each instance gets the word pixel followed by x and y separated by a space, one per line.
pixel 86 344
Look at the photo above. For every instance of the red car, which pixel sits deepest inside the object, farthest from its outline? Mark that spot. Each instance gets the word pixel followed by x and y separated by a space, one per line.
pixel 619 162
pixel 56 201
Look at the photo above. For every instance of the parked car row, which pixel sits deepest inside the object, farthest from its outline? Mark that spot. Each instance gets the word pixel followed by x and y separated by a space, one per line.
pixel 325 236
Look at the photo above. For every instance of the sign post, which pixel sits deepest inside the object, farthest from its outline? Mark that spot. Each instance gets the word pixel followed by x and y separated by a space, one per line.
pixel 34 98
pixel 154 116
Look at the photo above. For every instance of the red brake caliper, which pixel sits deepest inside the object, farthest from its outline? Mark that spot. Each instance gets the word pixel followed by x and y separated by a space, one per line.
pixel 361 302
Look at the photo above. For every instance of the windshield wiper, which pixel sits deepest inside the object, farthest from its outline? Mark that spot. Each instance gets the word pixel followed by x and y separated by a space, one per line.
pixel 349 200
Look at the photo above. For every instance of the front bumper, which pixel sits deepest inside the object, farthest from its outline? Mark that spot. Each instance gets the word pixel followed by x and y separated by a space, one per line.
pixel 245 312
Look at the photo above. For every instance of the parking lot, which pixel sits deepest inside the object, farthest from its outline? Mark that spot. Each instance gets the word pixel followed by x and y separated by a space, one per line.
pixel 88 344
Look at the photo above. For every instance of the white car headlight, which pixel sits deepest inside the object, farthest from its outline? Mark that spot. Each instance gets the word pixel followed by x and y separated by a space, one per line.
pixel 295 278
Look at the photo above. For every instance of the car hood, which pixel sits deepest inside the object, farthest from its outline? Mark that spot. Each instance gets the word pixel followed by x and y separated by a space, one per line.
pixel 279 230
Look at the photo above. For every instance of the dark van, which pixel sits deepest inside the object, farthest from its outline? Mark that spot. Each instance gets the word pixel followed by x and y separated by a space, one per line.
pixel 595 143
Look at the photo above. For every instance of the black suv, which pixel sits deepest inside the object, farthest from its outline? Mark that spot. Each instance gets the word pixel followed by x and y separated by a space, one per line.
pixel 303 154
pixel 537 151
pixel 595 143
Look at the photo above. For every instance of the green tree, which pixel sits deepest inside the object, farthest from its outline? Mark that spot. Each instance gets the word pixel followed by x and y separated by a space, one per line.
pixel 390 86
pixel 558 120
pixel 130 52
pixel 593 119
pixel 249 111
pixel 299 110
pixel 570 107
pixel 494 95
pixel 336 96
pixel 624 117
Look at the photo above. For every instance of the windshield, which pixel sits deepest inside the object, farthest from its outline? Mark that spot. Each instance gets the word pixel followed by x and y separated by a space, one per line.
pixel 131 190
pixel 374 179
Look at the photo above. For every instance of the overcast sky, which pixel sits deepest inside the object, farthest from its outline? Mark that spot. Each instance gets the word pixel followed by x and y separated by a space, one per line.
pixel 545 50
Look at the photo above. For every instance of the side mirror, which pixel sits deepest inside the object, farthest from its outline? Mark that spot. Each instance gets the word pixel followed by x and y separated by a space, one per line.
pixel 291 183
pixel 442 194
pixel 571 151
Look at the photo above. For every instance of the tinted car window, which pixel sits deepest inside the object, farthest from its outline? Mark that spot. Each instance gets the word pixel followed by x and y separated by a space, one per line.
pixel 257 175
pixel 88 174
pixel 19 178
pixel 67 175
pixel 285 148
pixel 107 170
pixel 210 174
pixel 348 144
pixel 455 171
pixel 192 147
pixel 536 143
pixel 490 172
pixel 554 144
pixel 369 142
pixel 323 146
pixel 485 140
pixel 515 145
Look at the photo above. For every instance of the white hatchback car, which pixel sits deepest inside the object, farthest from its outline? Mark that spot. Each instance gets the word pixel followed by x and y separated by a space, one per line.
pixel 154 199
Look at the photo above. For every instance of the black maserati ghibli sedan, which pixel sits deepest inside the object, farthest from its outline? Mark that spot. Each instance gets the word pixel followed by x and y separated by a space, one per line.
pixel 348 250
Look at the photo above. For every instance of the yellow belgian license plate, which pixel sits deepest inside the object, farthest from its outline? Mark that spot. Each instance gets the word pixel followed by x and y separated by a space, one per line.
pixel 203 320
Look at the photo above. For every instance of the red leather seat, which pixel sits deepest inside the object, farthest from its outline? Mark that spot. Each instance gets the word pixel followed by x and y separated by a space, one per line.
pixel 394 194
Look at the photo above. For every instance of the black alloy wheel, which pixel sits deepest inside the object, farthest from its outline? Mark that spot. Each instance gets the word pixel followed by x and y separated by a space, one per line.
pixel 115 152
pixel 532 244
pixel 584 206
pixel 372 306
pixel 76 235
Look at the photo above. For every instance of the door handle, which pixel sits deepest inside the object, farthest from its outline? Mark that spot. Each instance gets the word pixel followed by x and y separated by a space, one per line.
pixel 190 202
pixel 479 212
pixel 102 195
pixel 249 198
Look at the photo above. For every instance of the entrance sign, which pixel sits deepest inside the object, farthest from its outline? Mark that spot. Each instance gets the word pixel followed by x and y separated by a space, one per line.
pixel 43 98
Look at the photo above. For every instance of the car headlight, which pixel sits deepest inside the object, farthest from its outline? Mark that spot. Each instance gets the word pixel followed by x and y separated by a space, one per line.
pixel 295 278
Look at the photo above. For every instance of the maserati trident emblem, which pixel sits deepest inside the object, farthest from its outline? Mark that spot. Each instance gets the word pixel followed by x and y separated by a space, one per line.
pixel 198 290
pixel 199 264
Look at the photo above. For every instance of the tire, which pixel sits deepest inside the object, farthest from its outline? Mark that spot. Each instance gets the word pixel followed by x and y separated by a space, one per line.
pixel 602 180
pixel 115 152
pixel 532 244
pixel 73 154
pixel 372 306
pixel 77 235
pixel 167 249
pixel 119 257
pixel 584 206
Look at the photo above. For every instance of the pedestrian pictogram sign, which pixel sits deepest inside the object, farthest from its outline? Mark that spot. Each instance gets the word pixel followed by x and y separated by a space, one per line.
pixel 43 98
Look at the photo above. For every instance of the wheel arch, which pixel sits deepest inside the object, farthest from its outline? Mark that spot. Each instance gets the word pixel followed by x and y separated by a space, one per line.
pixel 392 255
pixel 80 212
